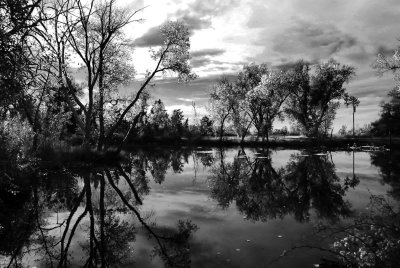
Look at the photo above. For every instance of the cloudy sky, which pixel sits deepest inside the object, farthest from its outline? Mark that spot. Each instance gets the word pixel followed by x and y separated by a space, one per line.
pixel 228 34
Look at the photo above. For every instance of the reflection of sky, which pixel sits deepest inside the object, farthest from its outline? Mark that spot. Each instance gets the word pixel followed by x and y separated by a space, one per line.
pixel 225 237
pixel 222 232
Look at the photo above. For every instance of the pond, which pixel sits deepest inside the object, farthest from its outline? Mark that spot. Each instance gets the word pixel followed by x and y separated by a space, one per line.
pixel 199 207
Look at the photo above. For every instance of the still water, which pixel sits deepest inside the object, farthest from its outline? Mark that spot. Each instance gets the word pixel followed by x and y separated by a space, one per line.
pixel 202 207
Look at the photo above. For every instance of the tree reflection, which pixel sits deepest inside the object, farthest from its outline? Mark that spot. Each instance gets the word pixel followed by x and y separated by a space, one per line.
pixel 389 165
pixel 261 192
pixel 100 213
pixel 158 161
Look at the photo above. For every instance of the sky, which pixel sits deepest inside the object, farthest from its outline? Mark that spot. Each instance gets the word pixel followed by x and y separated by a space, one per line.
pixel 228 34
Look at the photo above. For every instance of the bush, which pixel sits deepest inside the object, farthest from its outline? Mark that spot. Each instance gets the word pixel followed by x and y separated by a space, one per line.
pixel 16 137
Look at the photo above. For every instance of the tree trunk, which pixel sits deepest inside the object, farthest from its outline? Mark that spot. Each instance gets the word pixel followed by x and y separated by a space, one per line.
pixel 134 123
pixel 88 117
pixel 244 134
pixel 101 103
pixel 221 130
pixel 353 123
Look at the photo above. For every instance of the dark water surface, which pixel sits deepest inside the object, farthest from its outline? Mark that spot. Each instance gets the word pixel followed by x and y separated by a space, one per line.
pixel 180 207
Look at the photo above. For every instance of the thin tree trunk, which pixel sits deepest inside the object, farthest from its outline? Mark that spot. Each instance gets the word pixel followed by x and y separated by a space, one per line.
pixel 353 123
pixel 244 134
pixel 101 102
pixel 134 123
pixel 221 132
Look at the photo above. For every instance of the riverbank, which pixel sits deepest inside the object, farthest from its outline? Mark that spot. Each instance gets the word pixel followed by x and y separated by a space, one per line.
pixel 294 142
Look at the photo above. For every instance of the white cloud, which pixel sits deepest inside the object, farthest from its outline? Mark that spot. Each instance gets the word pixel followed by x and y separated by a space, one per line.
pixel 279 31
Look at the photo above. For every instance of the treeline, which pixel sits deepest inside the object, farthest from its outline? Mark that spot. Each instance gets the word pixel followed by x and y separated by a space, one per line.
pixel 307 95
pixel 42 45
pixel 156 123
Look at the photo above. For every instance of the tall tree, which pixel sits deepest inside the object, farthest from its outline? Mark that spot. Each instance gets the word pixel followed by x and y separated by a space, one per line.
pixel 19 64
pixel 206 126
pixel 353 102
pixel 176 122
pixel 266 99
pixel 314 98
pixel 222 103
pixel 89 32
pixel 158 118
pixel 247 112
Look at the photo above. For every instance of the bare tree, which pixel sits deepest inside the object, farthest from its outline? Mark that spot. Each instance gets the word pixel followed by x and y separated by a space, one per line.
pixel 93 34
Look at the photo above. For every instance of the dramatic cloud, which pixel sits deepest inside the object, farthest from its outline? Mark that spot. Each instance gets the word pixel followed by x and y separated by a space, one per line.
pixel 228 34
pixel 199 14
pixel 312 41
pixel 152 38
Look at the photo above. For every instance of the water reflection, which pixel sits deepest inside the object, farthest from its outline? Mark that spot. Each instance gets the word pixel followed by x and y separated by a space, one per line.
pixel 92 227
pixel 389 166
pixel 58 215
pixel 261 192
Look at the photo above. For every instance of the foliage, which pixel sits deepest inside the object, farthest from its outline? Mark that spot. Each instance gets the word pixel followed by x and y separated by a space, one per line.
pixel 266 99
pixel 16 136
pixel 176 123
pixel 351 101
pixel 158 118
pixel 283 131
pixel 385 64
pixel 389 121
pixel 373 239
pixel 222 103
pixel 18 53
pixel 389 168
pixel 246 110
pixel 314 96
pixel 206 126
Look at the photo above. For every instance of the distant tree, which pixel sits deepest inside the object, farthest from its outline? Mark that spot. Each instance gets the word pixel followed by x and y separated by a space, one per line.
pixel 364 130
pixel 343 130
pixel 283 131
pixel 314 97
pixel 186 127
pixel 206 126
pixel 247 111
pixel 222 103
pixel 266 99
pixel 389 121
pixel 158 118
pixel 354 102
pixel 176 122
